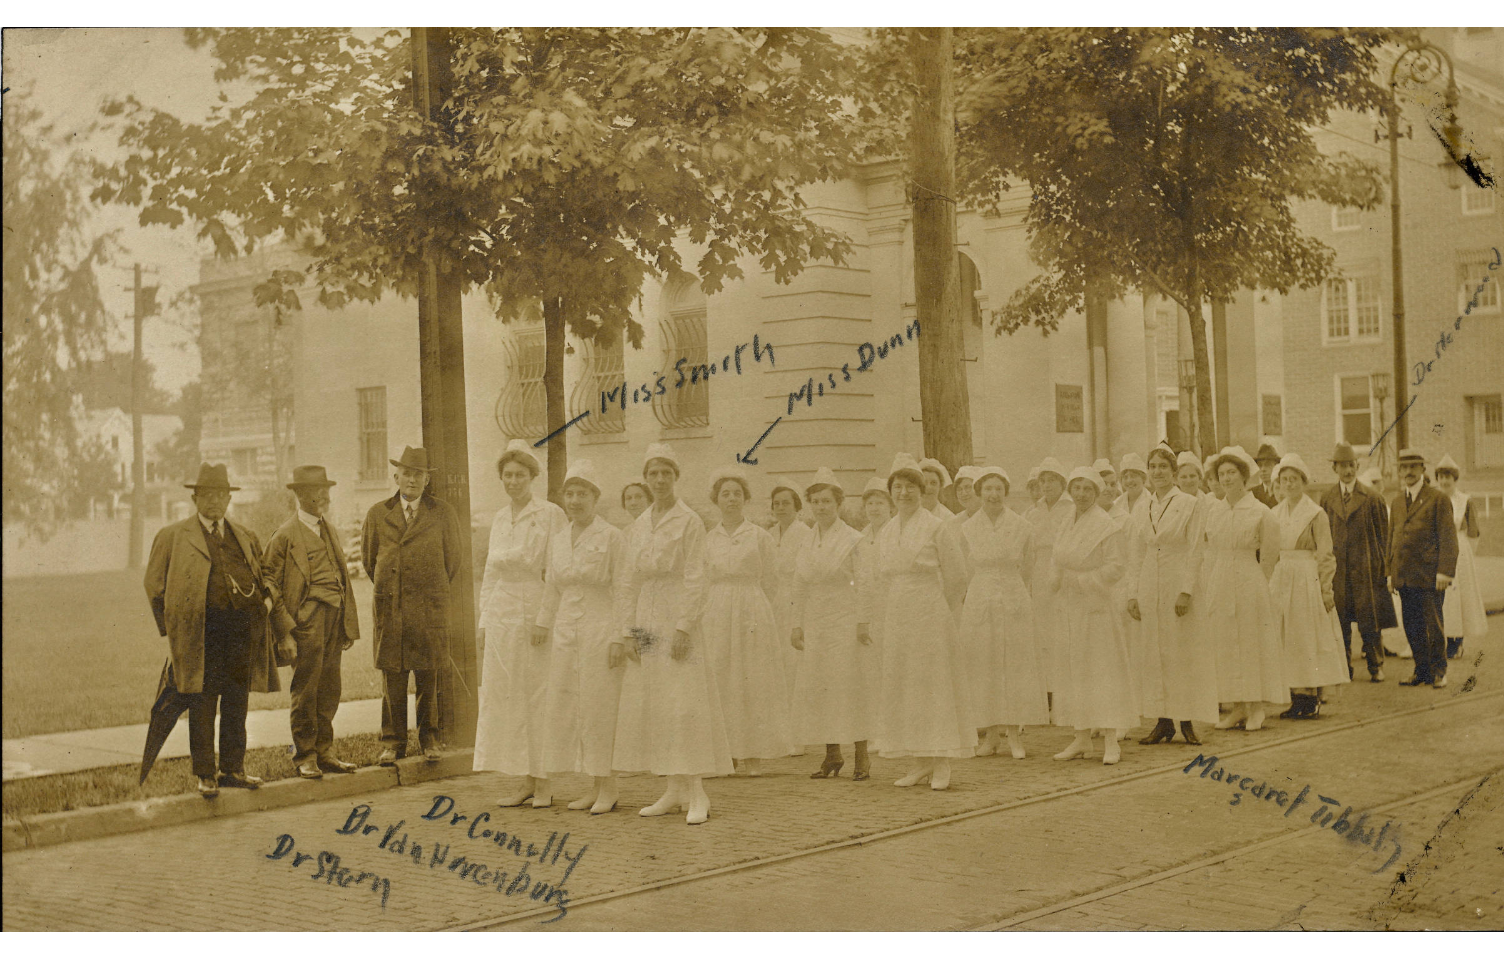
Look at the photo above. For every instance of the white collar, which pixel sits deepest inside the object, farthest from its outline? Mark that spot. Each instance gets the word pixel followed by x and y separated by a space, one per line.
pixel 310 521
pixel 208 524
pixel 1413 492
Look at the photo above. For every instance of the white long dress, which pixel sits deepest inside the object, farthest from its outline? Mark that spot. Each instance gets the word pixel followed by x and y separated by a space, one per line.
pixel 1462 609
pixel 1047 523
pixel 509 732
pixel 1097 688
pixel 997 623
pixel 742 640
pixel 1176 664
pixel 1129 519
pixel 584 606
pixel 926 693
pixel 669 721
pixel 837 690
pixel 872 593
pixel 1311 637
pixel 1237 613
pixel 788 543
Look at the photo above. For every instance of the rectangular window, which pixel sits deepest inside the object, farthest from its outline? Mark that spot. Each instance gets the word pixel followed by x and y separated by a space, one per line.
pixel 1357 411
pixel 1346 218
pixel 1336 309
pixel 1366 300
pixel 1273 415
pixel 1476 202
pixel 1493 416
pixel 372 417
pixel 1477 280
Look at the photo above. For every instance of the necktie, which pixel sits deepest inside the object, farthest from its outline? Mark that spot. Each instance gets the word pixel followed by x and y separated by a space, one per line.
pixel 219 530
pixel 409 508
pixel 1345 493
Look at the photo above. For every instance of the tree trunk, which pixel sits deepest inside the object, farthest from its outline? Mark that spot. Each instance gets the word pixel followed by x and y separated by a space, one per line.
pixel 943 401
pixel 553 394
pixel 1206 420
pixel 138 444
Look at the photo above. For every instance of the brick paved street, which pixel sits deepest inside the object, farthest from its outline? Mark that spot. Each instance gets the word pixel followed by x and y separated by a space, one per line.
pixel 1112 826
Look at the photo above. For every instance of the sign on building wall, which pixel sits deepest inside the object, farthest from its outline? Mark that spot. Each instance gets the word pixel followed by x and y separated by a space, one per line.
pixel 1070 409
pixel 1272 416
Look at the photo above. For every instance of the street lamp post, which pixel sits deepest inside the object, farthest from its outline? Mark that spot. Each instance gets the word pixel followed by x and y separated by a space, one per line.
pixel 1422 62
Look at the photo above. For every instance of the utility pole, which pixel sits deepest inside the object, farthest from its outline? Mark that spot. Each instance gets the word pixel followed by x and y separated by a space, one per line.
pixel 943 401
pixel 441 348
pixel 138 442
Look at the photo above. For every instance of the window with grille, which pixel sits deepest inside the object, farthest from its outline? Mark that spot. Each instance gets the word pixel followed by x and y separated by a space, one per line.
pixel 522 406
pixel 1475 201
pixel 604 372
pixel 1346 218
pixel 1351 310
pixel 687 404
pixel 1493 415
pixel 1356 410
pixel 371 404
pixel 1472 272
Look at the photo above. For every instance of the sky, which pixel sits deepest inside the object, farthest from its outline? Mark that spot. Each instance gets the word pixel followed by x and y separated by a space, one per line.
pixel 70 72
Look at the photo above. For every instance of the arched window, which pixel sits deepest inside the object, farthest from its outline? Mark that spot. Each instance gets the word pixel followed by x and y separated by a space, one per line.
pixel 522 407
pixel 603 372
pixel 682 330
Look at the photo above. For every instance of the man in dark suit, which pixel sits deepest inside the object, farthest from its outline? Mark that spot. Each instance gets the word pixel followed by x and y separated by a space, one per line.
pixel 1422 562
pixel 1360 542
pixel 206 587
pixel 410 546
pixel 1266 459
pixel 306 574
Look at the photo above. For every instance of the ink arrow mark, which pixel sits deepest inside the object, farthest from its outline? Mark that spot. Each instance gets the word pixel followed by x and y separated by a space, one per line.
pixel 747 457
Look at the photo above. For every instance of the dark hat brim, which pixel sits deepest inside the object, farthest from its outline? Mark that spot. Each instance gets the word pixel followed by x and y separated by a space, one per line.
pixel 325 484
pixel 196 487
pixel 408 465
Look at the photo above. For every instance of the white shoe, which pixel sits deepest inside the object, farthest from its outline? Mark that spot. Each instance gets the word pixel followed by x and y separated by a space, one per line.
pixel 1080 747
pixel 1255 720
pixel 519 796
pixel 699 804
pixel 544 796
pixel 918 775
pixel 671 800
pixel 580 804
pixel 1015 745
pixel 1238 714
pixel 753 767
pixel 605 799
pixel 940 777
pixel 1112 753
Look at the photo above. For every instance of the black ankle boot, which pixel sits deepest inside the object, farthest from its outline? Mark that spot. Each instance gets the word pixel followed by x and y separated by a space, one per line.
pixel 1189 733
pixel 1164 730
pixel 1454 647
pixel 1297 706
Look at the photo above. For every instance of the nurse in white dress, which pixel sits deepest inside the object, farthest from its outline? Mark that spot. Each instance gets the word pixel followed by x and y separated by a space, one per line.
pixel 789 536
pixel 936 478
pixel 509 728
pixel 877 508
pixel 997 620
pixel 1311 636
pixel 1097 687
pixel 1177 667
pixel 1462 613
pixel 840 674
pixel 927 714
pixel 669 722
pixel 739 630
pixel 1237 614
pixel 1047 518
pixel 584 605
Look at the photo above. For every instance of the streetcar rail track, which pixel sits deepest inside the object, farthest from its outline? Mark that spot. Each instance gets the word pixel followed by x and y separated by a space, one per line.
pixel 1458 698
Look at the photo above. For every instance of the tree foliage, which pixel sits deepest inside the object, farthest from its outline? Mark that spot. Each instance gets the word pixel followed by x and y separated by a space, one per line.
pixel 566 167
pixel 54 315
pixel 1164 159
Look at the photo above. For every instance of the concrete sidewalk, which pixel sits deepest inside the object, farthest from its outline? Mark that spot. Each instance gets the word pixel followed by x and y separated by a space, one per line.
pixel 97 748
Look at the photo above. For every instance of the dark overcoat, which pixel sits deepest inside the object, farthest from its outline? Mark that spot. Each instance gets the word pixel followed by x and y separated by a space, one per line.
pixel 177 586
pixel 287 574
pixel 1422 539
pixel 413 569
pixel 1360 542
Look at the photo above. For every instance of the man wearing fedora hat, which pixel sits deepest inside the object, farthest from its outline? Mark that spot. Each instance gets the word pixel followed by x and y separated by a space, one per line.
pixel 207 590
pixel 1422 561
pixel 305 568
pixel 1266 459
pixel 1360 543
pixel 410 547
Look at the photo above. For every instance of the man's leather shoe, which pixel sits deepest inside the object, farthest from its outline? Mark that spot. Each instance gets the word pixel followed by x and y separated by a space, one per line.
pixel 208 787
pixel 431 753
pixel 1414 680
pixel 238 780
pixel 329 764
pixel 1376 676
pixel 1440 683
pixel 309 770
pixel 388 758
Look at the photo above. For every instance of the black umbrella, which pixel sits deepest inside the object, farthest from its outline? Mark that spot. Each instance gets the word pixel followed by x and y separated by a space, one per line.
pixel 169 706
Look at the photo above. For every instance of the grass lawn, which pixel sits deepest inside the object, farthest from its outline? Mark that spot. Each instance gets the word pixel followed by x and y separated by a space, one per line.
pixel 170 776
pixel 82 651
